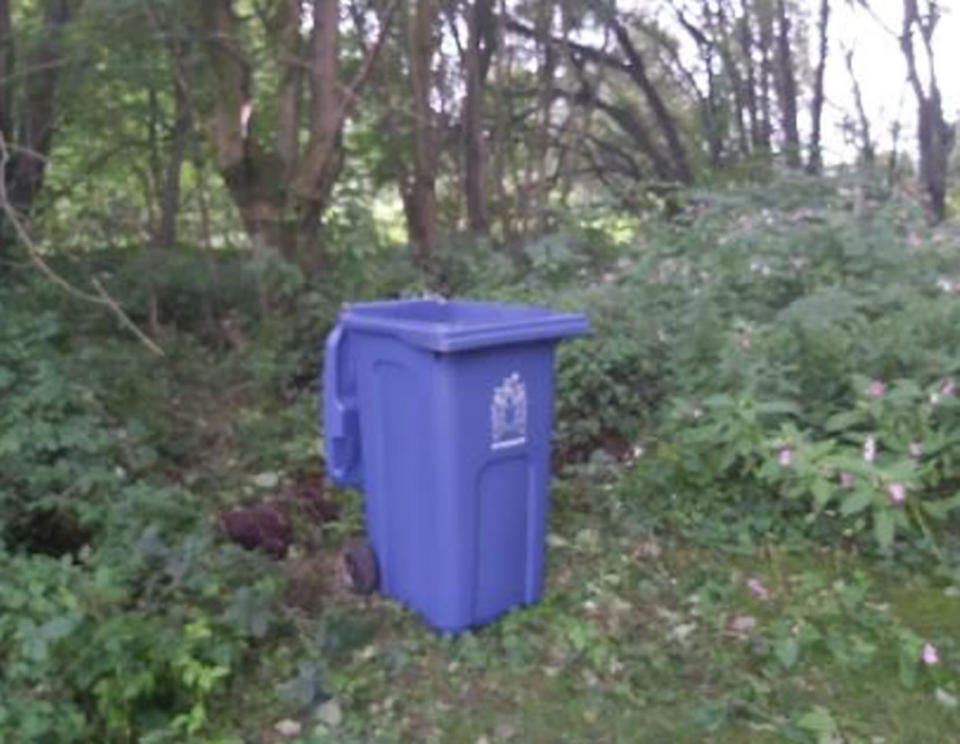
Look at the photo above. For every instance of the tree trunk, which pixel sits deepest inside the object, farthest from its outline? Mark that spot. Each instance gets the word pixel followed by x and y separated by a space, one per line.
pixel 661 113
pixel 745 37
pixel 935 134
pixel 765 37
pixel 542 142
pixel 6 70
pixel 866 148
pixel 421 200
pixel 170 194
pixel 815 161
pixel 787 87
pixel 281 190
pixel 738 91
pixel 30 129
pixel 480 30
pixel 28 116
pixel 289 51
pixel 501 128
pixel 714 127
pixel 324 157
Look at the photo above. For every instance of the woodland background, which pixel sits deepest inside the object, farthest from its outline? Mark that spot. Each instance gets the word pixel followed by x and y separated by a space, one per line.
pixel 755 528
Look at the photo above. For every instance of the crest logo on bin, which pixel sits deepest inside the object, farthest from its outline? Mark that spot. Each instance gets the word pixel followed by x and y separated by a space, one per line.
pixel 508 412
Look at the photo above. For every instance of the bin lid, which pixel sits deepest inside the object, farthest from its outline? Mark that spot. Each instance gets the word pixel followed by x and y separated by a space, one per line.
pixel 461 325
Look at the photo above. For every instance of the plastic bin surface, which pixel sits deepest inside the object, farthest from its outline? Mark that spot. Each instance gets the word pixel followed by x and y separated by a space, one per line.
pixel 441 411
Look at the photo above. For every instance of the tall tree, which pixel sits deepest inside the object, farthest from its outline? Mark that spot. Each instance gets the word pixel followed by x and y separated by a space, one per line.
pixel 28 101
pixel 786 86
pixel 420 200
pixel 815 158
pixel 481 42
pixel 935 135
pixel 646 119
pixel 865 146
pixel 281 188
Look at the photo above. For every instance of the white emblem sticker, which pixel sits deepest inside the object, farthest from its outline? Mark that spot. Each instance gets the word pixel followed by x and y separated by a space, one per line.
pixel 508 412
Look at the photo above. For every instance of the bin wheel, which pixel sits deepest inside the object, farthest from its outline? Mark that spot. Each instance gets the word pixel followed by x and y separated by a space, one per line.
pixel 359 567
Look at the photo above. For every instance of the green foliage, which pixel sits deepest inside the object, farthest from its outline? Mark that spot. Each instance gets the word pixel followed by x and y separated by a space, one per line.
pixel 791 337
pixel 121 617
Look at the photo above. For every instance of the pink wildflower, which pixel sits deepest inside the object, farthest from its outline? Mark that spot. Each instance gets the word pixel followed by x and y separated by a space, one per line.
pixel 846 480
pixel 948 387
pixel 897 493
pixel 757 589
pixel 877 389
pixel 870 448
pixel 785 457
pixel 929 654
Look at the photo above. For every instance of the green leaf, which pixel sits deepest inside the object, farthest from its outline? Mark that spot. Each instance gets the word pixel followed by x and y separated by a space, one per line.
pixel 883 528
pixel 778 407
pixel 819 722
pixel 940 509
pixel 787 651
pixel 856 502
pixel 909 661
pixel 842 421
pixel 822 493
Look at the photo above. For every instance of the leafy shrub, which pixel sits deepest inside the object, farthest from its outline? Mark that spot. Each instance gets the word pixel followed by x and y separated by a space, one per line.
pixel 609 383
pixel 121 617
pixel 783 325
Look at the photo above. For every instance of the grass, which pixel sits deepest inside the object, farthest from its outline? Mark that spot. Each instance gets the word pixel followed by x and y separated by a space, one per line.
pixel 647 637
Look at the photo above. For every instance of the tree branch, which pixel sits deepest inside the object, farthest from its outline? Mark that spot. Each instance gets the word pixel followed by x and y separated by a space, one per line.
pixel 101 297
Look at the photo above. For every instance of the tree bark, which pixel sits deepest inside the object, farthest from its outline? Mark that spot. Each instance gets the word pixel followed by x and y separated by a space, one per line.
pixel 28 114
pixel 815 160
pixel 714 129
pixel 324 156
pixel 867 150
pixel 289 52
pixel 30 129
pixel 481 32
pixel 420 202
pixel 787 87
pixel 280 189
pixel 673 162
pixel 661 113
pixel 170 193
pixel 541 148
pixel 739 92
pixel 6 70
pixel 765 38
pixel 745 38
pixel 936 136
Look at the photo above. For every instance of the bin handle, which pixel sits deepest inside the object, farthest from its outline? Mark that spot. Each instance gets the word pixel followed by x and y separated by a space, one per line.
pixel 338 416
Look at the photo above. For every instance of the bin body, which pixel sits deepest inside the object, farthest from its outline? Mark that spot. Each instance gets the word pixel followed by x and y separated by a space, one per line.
pixel 442 413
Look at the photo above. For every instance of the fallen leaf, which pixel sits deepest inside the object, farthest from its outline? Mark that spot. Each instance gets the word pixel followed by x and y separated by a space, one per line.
pixel 647 550
pixel 743 624
pixel 682 632
pixel 266 480
pixel 330 713
pixel 945 698
pixel 288 728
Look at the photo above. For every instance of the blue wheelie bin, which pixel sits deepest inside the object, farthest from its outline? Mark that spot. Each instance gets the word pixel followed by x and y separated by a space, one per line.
pixel 441 412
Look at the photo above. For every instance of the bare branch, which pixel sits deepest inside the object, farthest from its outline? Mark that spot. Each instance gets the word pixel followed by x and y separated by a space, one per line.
pixel 101 297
